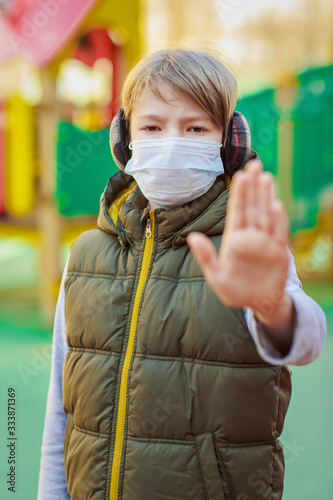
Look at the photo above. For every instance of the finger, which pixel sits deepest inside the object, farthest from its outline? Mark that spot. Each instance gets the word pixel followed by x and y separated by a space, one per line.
pixel 236 203
pixel 251 209
pixel 257 164
pixel 280 228
pixel 265 200
pixel 204 253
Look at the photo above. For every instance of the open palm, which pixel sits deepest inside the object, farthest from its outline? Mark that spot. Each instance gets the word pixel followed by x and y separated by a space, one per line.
pixel 252 265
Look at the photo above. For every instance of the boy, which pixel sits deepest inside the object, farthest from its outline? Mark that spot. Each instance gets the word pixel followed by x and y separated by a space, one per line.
pixel 173 383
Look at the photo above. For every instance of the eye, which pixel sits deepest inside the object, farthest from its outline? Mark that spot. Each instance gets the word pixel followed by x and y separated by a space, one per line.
pixel 150 128
pixel 197 130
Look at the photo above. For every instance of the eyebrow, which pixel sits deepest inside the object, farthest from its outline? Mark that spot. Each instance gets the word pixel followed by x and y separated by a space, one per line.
pixel 185 119
pixel 149 117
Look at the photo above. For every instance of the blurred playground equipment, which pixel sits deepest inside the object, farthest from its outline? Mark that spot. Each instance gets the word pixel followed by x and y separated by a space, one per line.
pixel 292 129
pixel 62 64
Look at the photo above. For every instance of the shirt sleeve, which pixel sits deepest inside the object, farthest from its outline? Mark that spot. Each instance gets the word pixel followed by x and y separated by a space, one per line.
pixel 309 331
pixel 52 479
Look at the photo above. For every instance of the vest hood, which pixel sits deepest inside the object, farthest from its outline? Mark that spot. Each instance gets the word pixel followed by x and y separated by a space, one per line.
pixel 123 211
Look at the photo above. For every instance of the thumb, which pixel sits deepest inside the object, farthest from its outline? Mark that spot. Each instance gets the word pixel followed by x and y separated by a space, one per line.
pixel 205 254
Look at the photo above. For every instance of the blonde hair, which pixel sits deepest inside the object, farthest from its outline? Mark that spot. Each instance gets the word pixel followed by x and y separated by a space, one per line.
pixel 207 79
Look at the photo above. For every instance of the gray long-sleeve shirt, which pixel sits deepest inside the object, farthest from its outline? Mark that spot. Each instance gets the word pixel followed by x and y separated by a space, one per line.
pixel 308 341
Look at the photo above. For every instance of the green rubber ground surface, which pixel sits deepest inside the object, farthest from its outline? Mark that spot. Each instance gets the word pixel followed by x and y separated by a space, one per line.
pixel 25 362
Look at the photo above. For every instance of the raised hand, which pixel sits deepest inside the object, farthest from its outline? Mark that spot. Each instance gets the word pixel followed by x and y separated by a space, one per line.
pixel 252 265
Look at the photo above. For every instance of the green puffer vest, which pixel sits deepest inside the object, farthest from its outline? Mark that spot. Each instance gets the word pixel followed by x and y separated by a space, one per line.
pixel 163 386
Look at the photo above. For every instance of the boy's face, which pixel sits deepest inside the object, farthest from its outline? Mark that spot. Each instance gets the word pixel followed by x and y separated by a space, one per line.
pixel 179 116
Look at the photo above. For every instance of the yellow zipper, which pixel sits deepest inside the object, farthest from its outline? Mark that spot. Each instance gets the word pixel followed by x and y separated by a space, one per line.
pixel 119 436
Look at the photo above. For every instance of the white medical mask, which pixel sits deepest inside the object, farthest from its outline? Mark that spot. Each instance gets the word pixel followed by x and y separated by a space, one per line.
pixel 174 171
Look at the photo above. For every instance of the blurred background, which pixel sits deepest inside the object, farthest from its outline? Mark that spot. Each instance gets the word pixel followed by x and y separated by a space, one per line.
pixel 62 63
